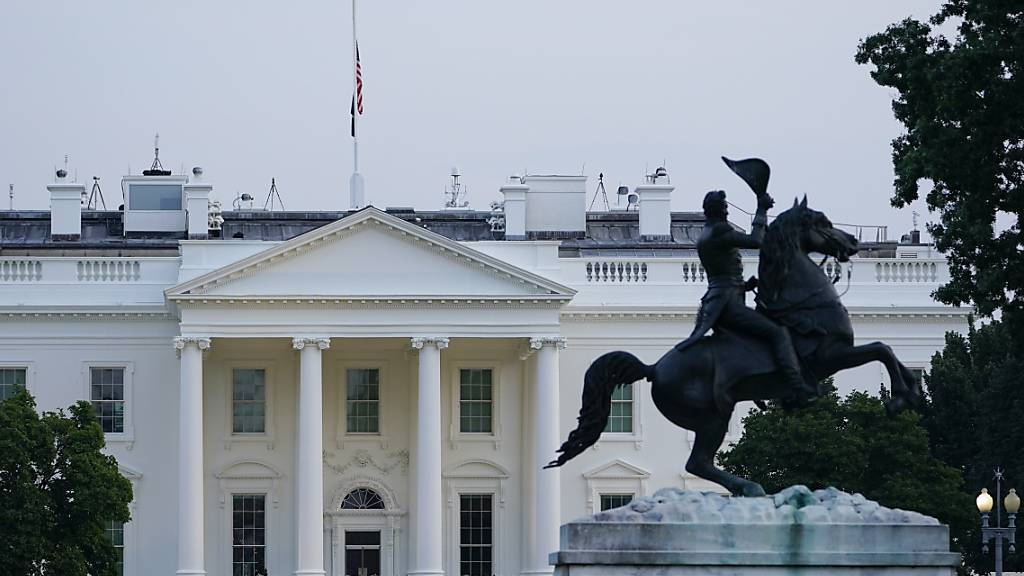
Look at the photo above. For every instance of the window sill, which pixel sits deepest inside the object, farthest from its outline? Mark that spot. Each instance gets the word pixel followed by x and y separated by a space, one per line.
pixel 620 438
pixel 474 438
pixel 243 439
pixel 126 439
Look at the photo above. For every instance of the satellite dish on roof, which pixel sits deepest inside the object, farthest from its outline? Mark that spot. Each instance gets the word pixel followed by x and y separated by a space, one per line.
pixel 622 191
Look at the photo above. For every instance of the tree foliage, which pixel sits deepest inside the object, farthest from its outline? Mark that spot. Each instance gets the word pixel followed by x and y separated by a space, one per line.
pixel 851 444
pixel 57 491
pixel 961 101
pixel 975 415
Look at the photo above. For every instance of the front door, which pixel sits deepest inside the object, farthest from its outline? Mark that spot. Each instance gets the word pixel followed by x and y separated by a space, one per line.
pixel 362 553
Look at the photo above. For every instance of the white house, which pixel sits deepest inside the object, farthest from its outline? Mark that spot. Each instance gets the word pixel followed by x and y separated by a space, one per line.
pixel 376 391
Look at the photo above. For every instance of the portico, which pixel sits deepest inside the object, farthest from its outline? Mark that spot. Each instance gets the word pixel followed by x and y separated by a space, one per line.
pixel 372 294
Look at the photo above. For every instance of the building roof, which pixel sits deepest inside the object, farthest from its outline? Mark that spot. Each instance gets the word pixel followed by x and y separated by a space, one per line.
pixel 104 230
pixel 608 234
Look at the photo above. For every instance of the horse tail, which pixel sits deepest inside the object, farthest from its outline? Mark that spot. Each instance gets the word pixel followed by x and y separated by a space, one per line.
pixel 605 374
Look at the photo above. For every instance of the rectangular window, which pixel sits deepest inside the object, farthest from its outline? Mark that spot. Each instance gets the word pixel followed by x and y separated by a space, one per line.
pixel 249 401
pixel 362 393
pixel 609 501
pixel 115 531
pixel 476 544
pixel 154 196
pixel 248 535
pixel 476 401
pixel 107 395
pixel 620 419
pixel 11 379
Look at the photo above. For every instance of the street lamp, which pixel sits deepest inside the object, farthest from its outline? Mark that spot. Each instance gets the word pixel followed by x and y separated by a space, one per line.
pixel 1012 503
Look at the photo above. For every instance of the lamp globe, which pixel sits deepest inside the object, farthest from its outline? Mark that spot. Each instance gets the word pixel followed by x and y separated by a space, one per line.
pixel 1012 502
pixel 984 501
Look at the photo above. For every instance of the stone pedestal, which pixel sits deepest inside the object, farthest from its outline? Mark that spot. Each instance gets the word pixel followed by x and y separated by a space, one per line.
pixel 794 532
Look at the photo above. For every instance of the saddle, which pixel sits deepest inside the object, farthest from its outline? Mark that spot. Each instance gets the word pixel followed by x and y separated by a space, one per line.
pixel 735 357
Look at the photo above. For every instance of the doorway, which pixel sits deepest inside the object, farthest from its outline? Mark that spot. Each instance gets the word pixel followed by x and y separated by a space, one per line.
pixel 362 553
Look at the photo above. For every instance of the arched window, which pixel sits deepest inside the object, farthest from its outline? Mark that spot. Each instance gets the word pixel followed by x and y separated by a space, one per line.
pixel 362 499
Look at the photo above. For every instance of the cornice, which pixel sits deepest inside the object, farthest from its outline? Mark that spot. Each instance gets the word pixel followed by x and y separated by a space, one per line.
pixel 372 302
pixel 59 313
pixel 674 314
pixel 616 314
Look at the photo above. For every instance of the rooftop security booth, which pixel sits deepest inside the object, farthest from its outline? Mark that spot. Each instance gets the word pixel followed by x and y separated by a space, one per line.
pixel 154 203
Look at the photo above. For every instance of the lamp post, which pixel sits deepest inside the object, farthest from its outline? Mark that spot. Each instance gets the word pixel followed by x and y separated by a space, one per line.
pixel 998 533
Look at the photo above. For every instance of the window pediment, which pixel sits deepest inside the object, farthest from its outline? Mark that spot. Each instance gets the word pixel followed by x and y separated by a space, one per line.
pixel 617 469
pixel 476 469
pixel 248 470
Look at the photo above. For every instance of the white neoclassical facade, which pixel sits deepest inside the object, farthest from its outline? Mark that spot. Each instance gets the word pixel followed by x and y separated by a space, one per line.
pixel 376 392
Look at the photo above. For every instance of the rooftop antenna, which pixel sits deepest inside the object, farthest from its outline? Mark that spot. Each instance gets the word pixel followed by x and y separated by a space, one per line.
pixel 269 204
pixel 94 195
pixel 156 169
pixel 600 190
pixel 156 153
pixel 11 194
pixel 455 193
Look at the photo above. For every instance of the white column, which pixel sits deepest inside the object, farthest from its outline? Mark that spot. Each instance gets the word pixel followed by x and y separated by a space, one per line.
pixel 426 521
pixel 190 455
pixel 547 501
pixel 309 466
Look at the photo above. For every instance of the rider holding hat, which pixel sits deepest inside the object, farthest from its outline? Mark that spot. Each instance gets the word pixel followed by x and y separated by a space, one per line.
pixel 724 303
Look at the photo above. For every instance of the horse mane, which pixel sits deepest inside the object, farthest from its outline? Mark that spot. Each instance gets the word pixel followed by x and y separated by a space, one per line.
pixel 781 241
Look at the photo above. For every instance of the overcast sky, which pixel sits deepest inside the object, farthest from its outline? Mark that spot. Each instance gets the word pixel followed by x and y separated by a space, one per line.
pixel 252 90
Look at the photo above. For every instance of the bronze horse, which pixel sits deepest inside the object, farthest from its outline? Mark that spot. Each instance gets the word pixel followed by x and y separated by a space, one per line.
pixel 793 291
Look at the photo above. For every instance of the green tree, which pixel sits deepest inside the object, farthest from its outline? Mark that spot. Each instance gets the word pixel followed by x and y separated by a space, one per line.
pixel 975 414
pixel 58 491
pixel 960 98
pixel 851 444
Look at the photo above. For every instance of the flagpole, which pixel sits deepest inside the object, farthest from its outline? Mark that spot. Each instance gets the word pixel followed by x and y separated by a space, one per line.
pixel 355 183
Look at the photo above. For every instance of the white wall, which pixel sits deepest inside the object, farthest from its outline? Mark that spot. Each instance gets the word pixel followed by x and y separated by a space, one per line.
pixel 645 313
pixel 58 353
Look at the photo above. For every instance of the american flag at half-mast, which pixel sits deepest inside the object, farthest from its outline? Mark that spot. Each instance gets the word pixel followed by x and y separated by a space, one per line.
pixel 357 98
pixel 359 83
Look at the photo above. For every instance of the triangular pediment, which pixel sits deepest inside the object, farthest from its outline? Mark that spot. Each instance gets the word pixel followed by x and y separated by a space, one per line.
pixel 370 255
pixel 617 469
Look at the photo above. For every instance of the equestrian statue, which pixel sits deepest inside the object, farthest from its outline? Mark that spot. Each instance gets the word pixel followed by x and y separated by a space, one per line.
pixel 799 333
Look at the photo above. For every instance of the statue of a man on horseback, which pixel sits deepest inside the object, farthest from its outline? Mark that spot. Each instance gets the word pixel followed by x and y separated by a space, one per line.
pixel 724 303
pixel 801 332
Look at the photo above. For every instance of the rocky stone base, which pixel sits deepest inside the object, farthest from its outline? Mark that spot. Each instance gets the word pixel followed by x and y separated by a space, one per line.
pixel 794 532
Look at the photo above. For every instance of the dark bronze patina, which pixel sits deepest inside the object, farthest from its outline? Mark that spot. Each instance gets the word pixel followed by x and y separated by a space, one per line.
pixel 799 334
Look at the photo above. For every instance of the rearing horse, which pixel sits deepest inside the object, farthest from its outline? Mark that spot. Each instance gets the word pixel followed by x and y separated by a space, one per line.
pixel 792 291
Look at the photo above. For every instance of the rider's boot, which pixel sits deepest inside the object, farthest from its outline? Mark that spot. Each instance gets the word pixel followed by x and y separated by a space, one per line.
pixel 789 366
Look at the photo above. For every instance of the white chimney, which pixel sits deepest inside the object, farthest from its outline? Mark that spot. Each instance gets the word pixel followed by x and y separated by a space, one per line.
pixel 65 208
pixel 515 208
pixel 655 207
pixel 556 206
pixel 197 205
